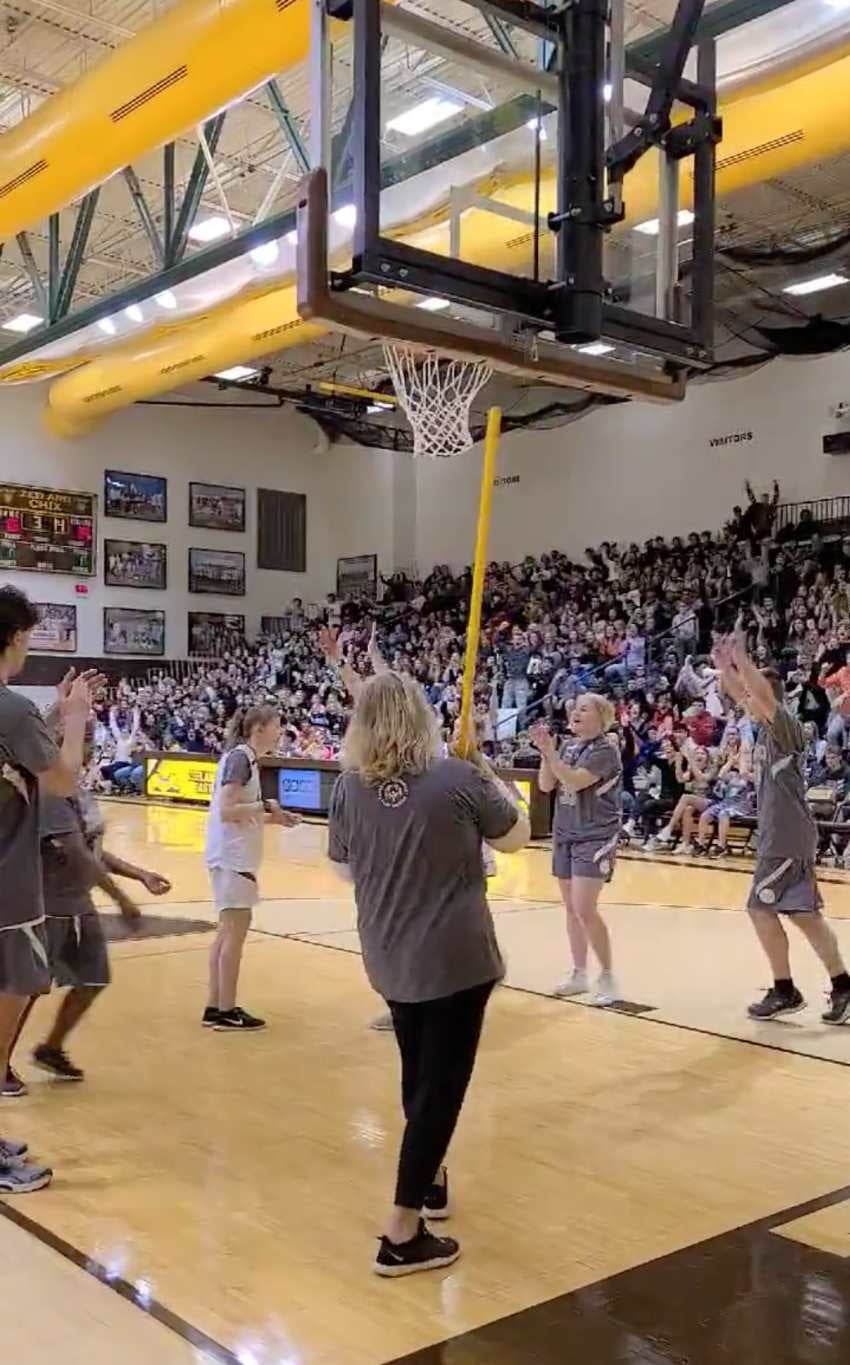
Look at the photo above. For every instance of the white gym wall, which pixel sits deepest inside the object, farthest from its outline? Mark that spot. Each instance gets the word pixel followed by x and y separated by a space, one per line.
pixel 349 501
pixel 637 470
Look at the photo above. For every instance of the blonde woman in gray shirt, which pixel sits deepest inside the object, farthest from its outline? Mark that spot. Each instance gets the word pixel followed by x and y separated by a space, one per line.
pixel 406 827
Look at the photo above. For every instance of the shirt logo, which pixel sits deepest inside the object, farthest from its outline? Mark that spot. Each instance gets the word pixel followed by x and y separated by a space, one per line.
pixel 393 793
pixel 15 779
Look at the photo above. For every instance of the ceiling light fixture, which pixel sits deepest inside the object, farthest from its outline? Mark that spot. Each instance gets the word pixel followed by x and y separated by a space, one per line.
pixel 264 254
pixel 235 372
pixel 24 322
pixel 292 238
pixel 607 92
pixel 652 226
pixel 166 300
pixel 596 348
pixel 134 313
pixel 108 326
pixel 346 216
pixel 816 285
pixel 210 229
pixel 434 305
pixel 424 116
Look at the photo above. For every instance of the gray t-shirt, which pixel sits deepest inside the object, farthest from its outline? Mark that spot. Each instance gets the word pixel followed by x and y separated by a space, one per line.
pixel 66 870
pixel 414 848
pixel 26 749
pixel 595 812
pixel 786 827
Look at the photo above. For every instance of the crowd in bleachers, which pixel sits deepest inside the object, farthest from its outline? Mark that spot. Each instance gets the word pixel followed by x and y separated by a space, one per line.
pixel 635 621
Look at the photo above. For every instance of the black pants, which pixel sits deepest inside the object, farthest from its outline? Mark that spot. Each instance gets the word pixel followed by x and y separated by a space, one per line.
pixel 438 1042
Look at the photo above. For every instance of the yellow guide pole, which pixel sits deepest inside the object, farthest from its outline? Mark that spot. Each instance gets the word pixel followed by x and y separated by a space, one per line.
pixel 473 629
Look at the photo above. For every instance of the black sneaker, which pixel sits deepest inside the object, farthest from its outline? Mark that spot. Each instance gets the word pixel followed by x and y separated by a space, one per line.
pixel 422 1252
pixel 237 1019
pixel 839 1008
pixel 57 1062
pixel 210 1016
pixel 436 1202
pixel 776 1003
pixel 718 851
pixel 13 1088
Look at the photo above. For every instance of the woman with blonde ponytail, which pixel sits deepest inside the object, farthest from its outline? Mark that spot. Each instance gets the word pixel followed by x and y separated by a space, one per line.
pixel 234 853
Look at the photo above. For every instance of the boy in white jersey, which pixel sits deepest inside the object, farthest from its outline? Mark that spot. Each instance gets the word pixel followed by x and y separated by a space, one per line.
pixel 234 853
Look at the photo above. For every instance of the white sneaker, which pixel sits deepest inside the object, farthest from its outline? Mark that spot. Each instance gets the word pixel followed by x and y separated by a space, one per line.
pixel 685 851
pixel 577 984
pixel 607 991
pixel 664 836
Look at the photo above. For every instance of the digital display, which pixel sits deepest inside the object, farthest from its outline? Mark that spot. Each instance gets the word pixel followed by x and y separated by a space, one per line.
pixel 46 530
pixel 300 789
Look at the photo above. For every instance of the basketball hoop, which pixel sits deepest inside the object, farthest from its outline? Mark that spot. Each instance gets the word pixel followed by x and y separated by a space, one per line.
pixel 436 396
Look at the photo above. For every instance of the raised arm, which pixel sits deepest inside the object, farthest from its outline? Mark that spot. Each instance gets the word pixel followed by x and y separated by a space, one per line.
pixel 350 678
pixel 758 692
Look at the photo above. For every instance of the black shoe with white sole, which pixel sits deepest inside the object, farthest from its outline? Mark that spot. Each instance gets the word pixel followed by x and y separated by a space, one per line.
pixel 235 1019
pixel 436 1202
pixel 210 1016
pixel 422 1252
pixel 20 1177
pixel 839 1008
pixel 776 1004
pixel 56 1062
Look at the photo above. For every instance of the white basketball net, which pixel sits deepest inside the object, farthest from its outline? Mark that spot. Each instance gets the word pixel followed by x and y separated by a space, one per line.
pixel 436 396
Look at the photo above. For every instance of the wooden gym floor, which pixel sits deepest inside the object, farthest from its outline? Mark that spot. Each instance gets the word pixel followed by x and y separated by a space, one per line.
pixel 664 1185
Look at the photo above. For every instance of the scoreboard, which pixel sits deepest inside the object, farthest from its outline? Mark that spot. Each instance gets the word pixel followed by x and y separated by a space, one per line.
pixel 47 530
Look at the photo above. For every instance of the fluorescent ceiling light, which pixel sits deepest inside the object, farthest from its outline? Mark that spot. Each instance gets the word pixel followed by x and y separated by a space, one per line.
pixel 607 92
pixel 596 348
pixel 210 229
pixel 107 325
pixel 265 254
pixel 166 300
pixel 434 305
pixel 652 226
pixel 235 372
pixel 346 216
pixel 134 313
pixel 424 116
pixel 379 407
pixel 839 4
pixel 292 238
pixel 535 123
pixel 24 322
pixel 816 285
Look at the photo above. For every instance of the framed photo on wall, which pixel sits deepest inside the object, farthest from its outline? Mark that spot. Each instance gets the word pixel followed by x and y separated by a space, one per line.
pixel 216 507
pixel 221 572
pixel 56 632
pixel 134 564
pixel 135 497
pixel 357 576
pixel 132 630
pixel 212 633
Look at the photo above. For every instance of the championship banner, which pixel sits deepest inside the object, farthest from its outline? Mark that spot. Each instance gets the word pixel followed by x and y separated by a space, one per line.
pixel 180 779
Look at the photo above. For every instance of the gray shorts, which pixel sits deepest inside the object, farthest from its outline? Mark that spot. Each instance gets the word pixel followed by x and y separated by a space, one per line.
pixel 76 946
pixel 233 890
pixel 788 886
pixel 24 968
pixel 594 858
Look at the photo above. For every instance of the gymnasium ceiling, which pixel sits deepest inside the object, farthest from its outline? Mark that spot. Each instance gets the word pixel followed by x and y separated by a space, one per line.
pixel 47 44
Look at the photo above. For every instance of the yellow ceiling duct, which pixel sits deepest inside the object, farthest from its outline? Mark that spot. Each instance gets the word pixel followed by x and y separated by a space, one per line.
pixel 767 134
pixel 195 59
